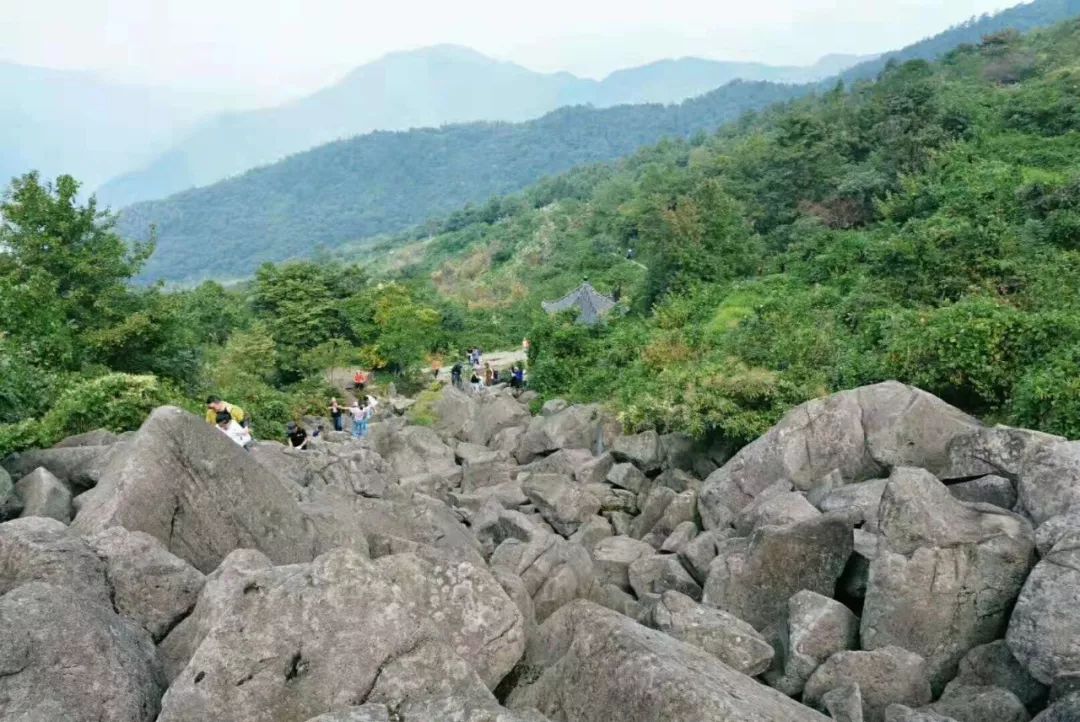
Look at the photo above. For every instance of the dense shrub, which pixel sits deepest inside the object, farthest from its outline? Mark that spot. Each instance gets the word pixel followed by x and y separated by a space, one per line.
pixel 1047 397
pixel 115 401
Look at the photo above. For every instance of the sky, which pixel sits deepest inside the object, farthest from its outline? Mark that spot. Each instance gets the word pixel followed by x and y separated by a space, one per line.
pixel 272 50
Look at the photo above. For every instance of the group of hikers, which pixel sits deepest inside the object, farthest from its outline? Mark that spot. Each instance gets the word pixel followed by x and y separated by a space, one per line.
pixel 236 424
pixel 482 375
pixel 361 415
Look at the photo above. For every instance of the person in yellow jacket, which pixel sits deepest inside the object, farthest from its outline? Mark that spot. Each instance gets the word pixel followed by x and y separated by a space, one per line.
pixel 214 406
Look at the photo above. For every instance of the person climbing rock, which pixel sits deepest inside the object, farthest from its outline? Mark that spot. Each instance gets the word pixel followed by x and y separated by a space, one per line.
pixel 228 426
pixel 296 435
pixel 214 406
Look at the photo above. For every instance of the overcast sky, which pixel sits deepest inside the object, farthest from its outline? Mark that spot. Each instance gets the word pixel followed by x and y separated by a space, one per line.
pixel 292 46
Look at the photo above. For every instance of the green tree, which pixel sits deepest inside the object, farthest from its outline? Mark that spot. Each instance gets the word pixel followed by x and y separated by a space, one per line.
pixel 64 270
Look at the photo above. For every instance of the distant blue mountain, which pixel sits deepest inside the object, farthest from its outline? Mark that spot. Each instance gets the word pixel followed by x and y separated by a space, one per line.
pixel 424 88
pixel 71 122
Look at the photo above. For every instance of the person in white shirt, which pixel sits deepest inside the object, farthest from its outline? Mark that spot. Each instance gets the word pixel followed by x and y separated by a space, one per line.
pixel 359 415
pixel 233 430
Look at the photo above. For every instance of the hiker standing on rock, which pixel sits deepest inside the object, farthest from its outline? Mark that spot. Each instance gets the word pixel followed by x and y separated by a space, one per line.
pixel 455 375
pixel 335 414
pixel 488 375
pixel 358 414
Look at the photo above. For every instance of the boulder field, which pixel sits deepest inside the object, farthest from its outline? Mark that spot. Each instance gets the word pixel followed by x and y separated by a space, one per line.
pixel 877 556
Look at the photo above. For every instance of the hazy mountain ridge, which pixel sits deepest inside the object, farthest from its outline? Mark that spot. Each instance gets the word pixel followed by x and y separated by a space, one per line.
pixel 59 121
pixel 430 87
pixel 386 182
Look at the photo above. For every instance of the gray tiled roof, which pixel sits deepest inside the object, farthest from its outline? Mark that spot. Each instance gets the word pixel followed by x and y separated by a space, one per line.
pixel 592 304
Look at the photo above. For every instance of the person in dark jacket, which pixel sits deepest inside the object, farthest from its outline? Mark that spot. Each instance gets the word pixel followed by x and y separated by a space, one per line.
pixel 297 437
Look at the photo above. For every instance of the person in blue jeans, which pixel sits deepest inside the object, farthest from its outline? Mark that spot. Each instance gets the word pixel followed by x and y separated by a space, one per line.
pixel 359 415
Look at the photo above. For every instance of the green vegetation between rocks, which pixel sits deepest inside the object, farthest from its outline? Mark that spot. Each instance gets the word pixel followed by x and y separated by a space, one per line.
pixel 925 227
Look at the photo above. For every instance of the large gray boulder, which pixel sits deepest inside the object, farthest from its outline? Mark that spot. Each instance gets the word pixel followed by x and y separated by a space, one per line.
pixel 946 573
pixel 725 636
pixel 1057 528
pixel 97 437
pixel 654 504
pixel 564 504
pixel 493 413
pixel 993 665
pixel 885 676
pixel 452 410
pixel 10 502
pixel 291 642
pixel 554 570
pixel 1044 630
pixel 642 450
pixel 481 467
pixel 38 549
pixel 753 577
pixel 592 532
pixel 989 489
pixel 185 483
pixel 477 419
pixel 980 704
pixel 857 434
pixel 682 535
pixel 857 502
pixel 413 518
pixel 844 704
pixel 413 450
pixel 682 509
pixel 613 556
pixel 64 657
pixel 564 461
pixel 657 573
pixel 624 671
pixel 148 585
pixel 1066 709
pixel 698 554
pixel 42 494
pixel 903 713
pixel 1049 480
pixel 346 466
pixel 627 476
pixel 222 586
pixel 492 525
pixel 815 629
pixel 78 467
pixel 575 427
pixel 780 507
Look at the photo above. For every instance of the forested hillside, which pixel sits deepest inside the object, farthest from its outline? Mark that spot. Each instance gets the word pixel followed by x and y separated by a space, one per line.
pixel 925 228
pixel 428 87
pixel 383 183
pixel 1022 18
